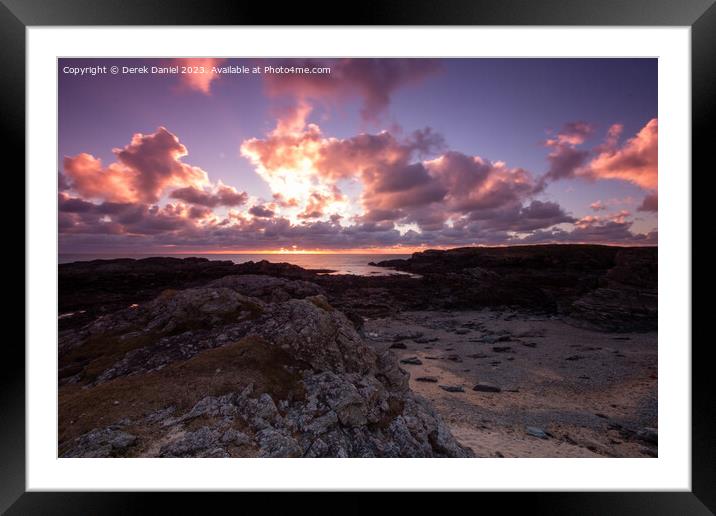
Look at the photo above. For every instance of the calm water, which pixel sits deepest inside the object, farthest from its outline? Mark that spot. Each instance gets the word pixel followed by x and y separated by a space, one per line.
pixel 341 263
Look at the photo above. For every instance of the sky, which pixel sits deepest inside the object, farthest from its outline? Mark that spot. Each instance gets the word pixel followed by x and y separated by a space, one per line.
pixel 354 155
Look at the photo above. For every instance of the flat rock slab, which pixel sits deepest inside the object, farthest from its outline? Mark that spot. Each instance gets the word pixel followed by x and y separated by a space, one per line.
pixel 486 387
pixel 536 432
pixel 452 388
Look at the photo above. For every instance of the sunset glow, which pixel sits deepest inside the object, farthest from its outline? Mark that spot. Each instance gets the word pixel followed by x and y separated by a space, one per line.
pixel 379 156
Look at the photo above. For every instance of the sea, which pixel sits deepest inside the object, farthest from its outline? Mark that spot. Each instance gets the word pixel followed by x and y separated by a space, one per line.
pixel 356 264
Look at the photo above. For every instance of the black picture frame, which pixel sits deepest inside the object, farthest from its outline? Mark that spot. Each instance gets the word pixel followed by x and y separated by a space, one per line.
pixel 17 15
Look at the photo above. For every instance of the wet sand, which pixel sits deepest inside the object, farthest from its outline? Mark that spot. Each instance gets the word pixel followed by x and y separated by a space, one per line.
pixel 593 394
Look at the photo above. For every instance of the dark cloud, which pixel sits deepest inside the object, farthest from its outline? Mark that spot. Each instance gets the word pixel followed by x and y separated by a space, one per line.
pixel 222 196
pixel 650 203
pixel 373 80
pixel 261 211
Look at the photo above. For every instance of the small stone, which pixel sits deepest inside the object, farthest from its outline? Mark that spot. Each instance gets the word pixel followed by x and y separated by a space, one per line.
pixel 411 361
pixel 502 349
pixel 427 379
pixel 115 403
pixel 530 344
pixel 452 388
pixel 425 340
pixel 486 387
pixel 535 431
pixel 574 357
pixel 462 331
pixel 399 345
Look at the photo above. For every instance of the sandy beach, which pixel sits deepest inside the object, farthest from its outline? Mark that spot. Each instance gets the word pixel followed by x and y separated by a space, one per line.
pixel 590 392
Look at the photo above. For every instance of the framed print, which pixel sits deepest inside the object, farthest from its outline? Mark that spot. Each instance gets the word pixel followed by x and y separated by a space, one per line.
pixel 416 250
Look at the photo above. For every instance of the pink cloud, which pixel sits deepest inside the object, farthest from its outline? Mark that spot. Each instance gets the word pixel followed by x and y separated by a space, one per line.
pixel 145 167
pixel 636 161
pixel 199 75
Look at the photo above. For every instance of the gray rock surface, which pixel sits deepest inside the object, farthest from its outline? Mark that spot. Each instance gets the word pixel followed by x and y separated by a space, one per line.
pixel 347 400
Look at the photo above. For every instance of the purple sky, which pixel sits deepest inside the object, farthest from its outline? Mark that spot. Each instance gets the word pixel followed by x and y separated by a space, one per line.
pixel 377 154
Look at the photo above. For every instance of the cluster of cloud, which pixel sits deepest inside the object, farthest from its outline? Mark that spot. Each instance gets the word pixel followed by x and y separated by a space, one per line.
pixel 373 190
pixel 451 190
pixel 144 168
pixel 413 193
pixel 635 161
pixel 147 191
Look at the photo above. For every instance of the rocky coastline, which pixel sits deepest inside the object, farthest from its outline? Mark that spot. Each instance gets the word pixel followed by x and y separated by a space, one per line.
pixel 170 357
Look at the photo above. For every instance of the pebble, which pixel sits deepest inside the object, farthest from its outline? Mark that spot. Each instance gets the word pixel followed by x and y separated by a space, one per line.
pixel 411 361
pixel 425 340
pixel 428 379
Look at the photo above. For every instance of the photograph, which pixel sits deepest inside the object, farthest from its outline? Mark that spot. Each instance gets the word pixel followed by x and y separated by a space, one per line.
pixel 358 257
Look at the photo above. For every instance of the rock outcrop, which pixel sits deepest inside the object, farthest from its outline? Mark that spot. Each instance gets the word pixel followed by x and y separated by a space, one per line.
pixel 93 288
pixel 244 366
pixel 604 287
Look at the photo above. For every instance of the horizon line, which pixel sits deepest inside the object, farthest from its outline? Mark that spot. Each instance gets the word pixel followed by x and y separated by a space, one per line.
pixel 359 251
